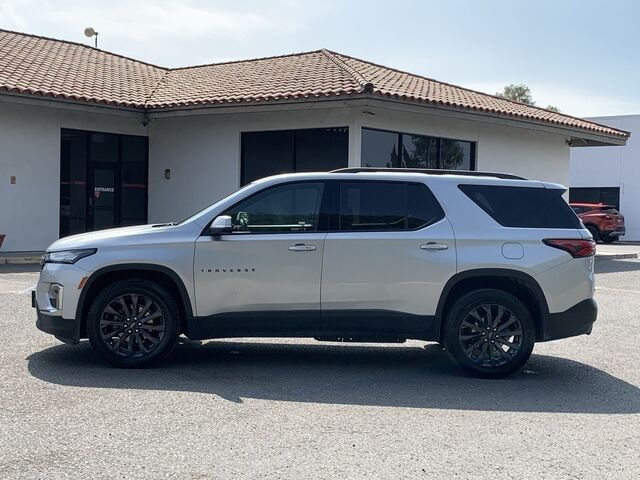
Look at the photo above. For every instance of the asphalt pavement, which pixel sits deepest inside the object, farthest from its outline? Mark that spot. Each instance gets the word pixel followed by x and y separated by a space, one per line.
pixel 298 409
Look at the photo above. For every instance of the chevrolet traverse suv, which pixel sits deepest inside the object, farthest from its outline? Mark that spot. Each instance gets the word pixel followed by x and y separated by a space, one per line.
pixel 485 264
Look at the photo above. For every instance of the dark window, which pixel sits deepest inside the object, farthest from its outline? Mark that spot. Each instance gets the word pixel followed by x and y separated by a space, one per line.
pixel 285 151
pixel 282 209
pixel 606 195
pixel 73 182
pixel 523 207
pixel 379 149
pixel 385 149
pixel 419 151
pixel 367 206
pixel 133 180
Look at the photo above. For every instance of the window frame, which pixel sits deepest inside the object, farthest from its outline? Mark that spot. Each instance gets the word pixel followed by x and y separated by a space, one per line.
pixel 333 224
pixel 322 211
pixel 473 145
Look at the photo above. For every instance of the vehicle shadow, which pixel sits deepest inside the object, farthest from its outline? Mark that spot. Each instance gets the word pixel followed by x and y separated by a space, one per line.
pixel 613 266
pixel 396 376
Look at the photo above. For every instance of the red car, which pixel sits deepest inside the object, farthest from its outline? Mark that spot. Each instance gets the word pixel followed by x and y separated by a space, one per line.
pixel 603 221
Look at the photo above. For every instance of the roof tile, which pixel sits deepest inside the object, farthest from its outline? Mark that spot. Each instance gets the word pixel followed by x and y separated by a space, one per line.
pixel 44 66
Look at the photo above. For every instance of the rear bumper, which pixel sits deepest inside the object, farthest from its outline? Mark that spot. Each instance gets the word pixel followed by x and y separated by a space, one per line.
pixel 578 320
pixel 64 329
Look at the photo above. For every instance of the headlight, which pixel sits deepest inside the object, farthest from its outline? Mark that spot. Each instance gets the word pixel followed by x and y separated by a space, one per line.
pixel 68 256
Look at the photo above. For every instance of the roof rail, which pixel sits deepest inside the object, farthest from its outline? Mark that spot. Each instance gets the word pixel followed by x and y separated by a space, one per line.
pixel 429 171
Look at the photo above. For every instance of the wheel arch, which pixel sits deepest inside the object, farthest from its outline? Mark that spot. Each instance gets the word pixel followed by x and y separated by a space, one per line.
pixel 520 284
pixel 160 274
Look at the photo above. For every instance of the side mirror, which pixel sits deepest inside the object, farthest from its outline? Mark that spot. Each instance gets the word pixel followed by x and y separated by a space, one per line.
pixel 221 225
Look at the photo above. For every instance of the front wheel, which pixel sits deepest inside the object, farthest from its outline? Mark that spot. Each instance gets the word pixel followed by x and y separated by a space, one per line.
pixel 489 333
pixel 595 233
pixel 133 323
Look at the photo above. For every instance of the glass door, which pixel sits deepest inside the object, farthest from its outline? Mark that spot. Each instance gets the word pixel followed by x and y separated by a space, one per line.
pixel 103 181
pixel 102 203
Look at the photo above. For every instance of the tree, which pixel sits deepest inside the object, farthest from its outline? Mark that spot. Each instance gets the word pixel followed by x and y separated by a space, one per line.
pixel 521 93
pixel 518 93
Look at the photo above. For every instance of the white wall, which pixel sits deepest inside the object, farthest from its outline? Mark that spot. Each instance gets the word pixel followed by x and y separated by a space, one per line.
pixel 614 167
pixel 30 150
pixel 203 153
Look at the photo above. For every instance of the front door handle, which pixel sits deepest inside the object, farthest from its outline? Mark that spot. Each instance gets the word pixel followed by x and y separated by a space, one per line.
pixel 301 247
pixel 434 246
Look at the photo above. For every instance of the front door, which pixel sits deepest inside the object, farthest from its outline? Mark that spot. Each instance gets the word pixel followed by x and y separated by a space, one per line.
pixel 103 181
pixel 387 257
pixel 264 278
pixel 102 202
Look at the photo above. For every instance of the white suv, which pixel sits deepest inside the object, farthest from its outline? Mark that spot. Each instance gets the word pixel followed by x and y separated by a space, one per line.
pixel 486 264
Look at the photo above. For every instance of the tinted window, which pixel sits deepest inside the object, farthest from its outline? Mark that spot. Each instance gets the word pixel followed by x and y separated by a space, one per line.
pixel 321 149
pixel 386 149
pixel 523 207
pixel 380 149
pixel 286 151
pixel 367 206
pixel 287 208
pixel 608 195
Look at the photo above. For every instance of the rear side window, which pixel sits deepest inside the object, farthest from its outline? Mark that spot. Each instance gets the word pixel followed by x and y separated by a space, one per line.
pixel 610 210
pixel 379 206
pixel 523 207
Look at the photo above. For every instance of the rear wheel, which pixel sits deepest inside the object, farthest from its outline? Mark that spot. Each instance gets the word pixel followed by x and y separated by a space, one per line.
pixel 610 239
pixel 594 232
pixel 133 323
pixel 489 333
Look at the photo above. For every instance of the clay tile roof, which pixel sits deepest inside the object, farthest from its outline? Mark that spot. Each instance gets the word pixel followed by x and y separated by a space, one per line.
pixel 36 65
pixel 42 66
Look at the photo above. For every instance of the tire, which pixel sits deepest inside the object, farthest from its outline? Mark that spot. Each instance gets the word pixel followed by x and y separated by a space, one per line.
pixel 594 232
pixel 138 344
pixel 465 333
pixel 610 239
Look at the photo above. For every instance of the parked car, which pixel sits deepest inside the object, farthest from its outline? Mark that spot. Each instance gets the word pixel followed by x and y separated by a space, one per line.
pixel 603 221
pixel 486 264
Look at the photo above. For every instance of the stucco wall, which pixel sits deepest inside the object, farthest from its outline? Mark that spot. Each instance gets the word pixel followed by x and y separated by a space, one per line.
pixel 30 150
pixel 203 153
pixel 614 167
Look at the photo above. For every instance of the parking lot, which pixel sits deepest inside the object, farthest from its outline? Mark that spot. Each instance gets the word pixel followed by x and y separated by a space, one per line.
pixel 301 409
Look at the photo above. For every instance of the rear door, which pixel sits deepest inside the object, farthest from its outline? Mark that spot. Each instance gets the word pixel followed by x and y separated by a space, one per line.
pixel 388 254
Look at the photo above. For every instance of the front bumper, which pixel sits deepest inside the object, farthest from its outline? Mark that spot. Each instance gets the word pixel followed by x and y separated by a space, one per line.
pixel 64 329
pixel 618 232
pixel 578 320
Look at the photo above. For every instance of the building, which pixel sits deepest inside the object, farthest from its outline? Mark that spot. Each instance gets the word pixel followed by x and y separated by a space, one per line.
pixel 611 174
pixel 90 139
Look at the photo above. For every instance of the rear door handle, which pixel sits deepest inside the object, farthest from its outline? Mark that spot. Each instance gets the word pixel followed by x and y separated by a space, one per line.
pixel 301 247
pixel 434 246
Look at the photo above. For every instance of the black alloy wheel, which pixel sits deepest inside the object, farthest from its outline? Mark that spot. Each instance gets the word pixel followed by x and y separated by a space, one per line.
pixel 133 323
pixel 489 333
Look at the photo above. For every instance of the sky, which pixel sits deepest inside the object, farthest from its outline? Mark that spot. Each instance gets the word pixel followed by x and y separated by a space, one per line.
pixel 582 56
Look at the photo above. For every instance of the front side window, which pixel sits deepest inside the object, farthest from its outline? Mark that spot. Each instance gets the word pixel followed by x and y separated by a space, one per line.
pixel 380 206
pixel 282 209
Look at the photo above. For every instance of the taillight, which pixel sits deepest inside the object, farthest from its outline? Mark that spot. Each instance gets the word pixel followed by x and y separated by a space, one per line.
pixel 575 248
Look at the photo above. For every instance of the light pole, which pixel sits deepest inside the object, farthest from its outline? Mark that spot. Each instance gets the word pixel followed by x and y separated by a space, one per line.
pixel 90 32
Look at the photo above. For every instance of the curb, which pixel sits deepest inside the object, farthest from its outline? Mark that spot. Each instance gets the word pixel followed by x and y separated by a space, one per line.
pixel 20 261
pixel 615 256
